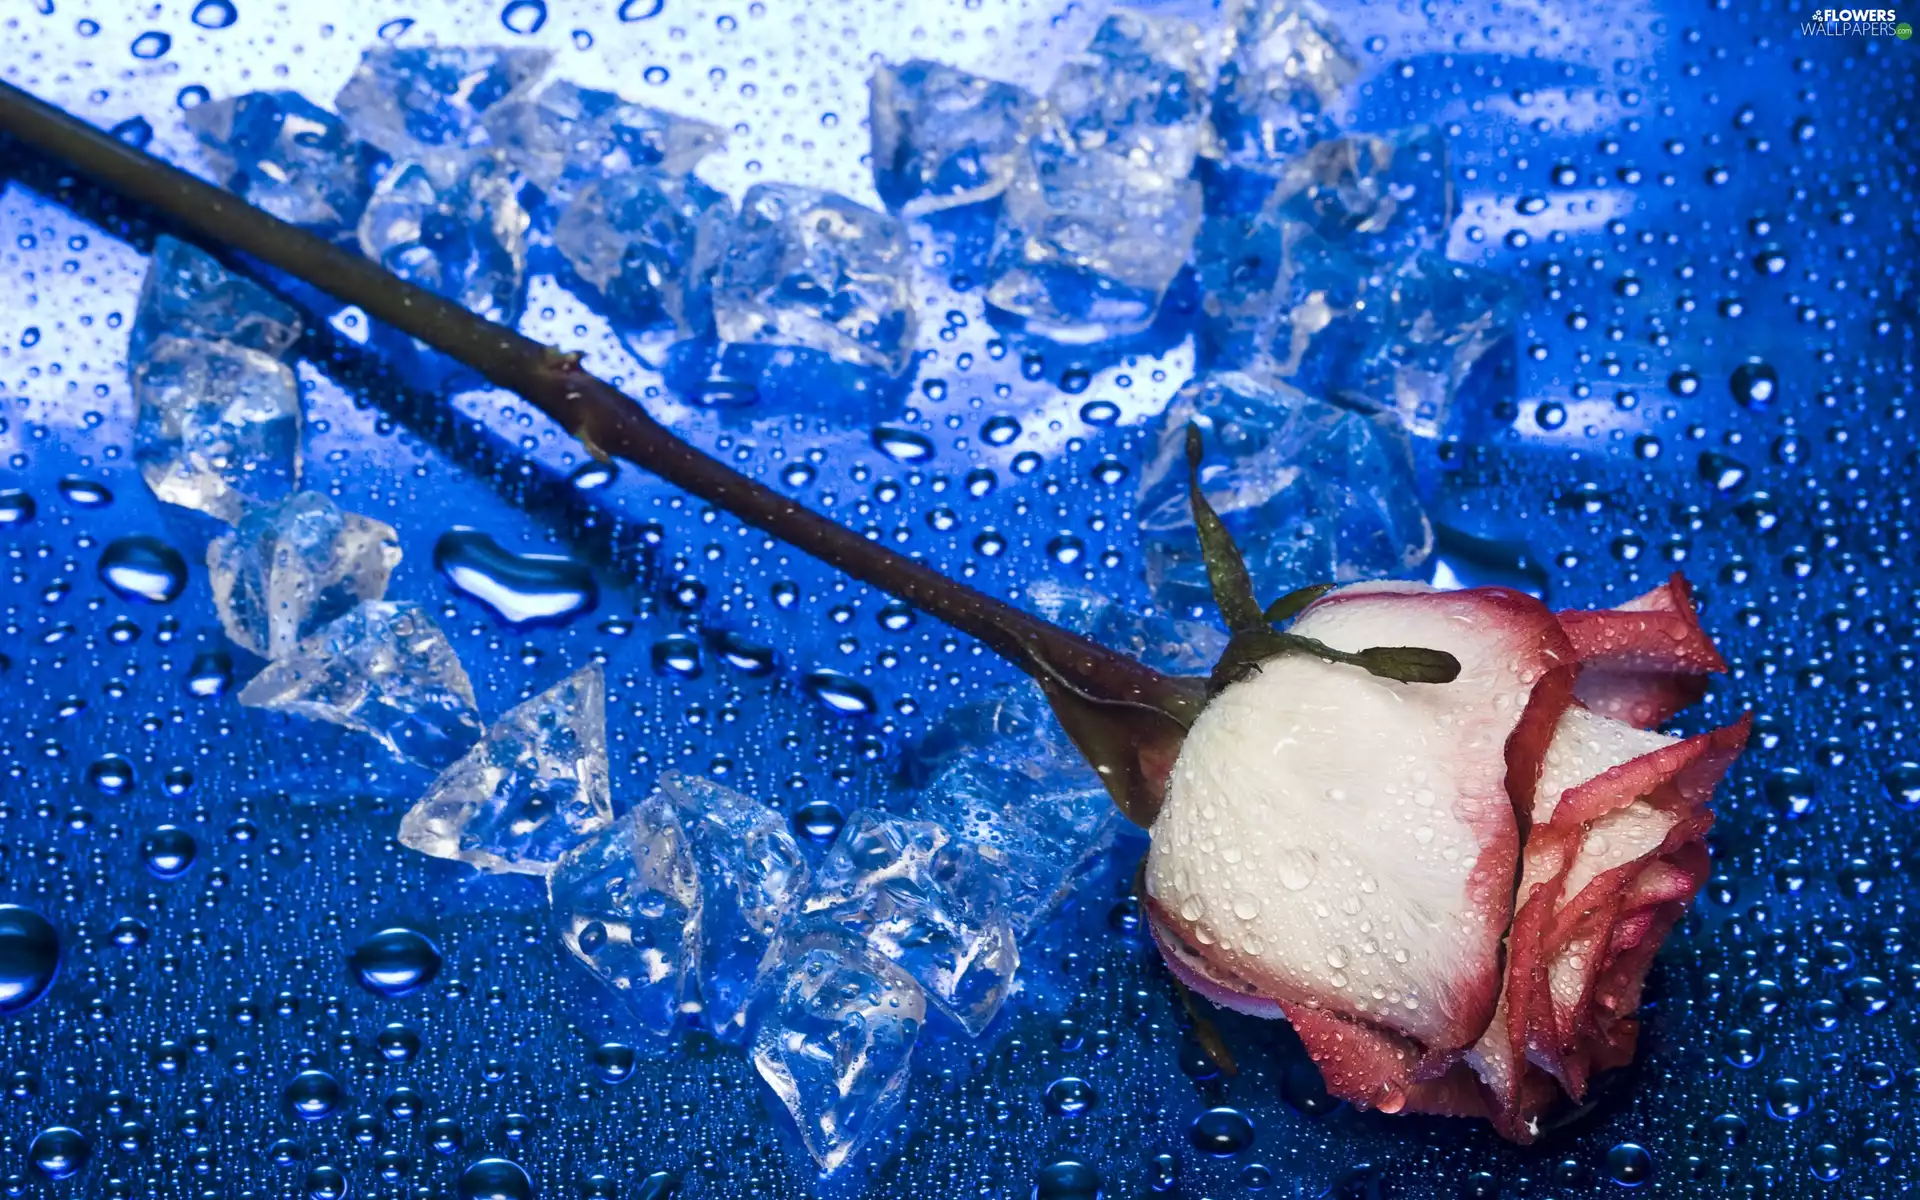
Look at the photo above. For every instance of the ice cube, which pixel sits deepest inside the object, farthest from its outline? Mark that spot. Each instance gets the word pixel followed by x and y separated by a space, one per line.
pixel 429 104
pixel 385 670
pixel 187 293
pixel 1312 492
pixel 1397 339
pixel 218 425
pixel 927 900
pixel 465 239
pixel 1282 85
pixel 751 873
pixel 1138 91
pixel 835 1025
pixel 534 786
pixel 569 135
pixel 292 567
pixel 1381 196
pixel 1165 643
pixel 1042 823
pixel 285 154
pixel 941 137
pixel 807 268
pixel 627 901
pixel 643 240
pixel 1356 205
pixel 1099 214
pixel 1085 249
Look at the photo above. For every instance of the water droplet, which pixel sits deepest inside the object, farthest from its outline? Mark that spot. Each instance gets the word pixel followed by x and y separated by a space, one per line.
pixel 394 28
pixel 524 16
pixel 16 507
pixel 677 655
pixel 1743 1048
pixel 593 475
pixel 1067 1180
pixel 152 44
pixel 748 658
pixel 817 821
pixel 82 492
pixel 313 1095
pixel 1099 412
pixel 143 568
pixel 134 131
pixel 1069 1096
pixel 210 674
pixel 1629 1165
pixel 326 1182
pixel 1902 784
pixel 1754 384
pixel 494 1179
pixel 999 431
pixel 398 1043
pixel 59 1152
pixel 1788 1099
pixel 613 1061
pixel 1684 382
pixel 520 589
pixel 841 693
pixel 395 962
pixel 1303 1087
pixel 168 851
pixel 111 775
pixel 640 10
pixel 1791 791
pixel 1221 1132
pixel 29 957
pixel 215 14
pixel 902 445
pixel 1295 868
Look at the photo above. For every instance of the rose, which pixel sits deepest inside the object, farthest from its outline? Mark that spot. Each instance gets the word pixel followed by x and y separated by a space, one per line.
pixel 1453 892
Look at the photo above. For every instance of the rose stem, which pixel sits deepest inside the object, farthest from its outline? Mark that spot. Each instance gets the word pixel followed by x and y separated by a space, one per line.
pixel 1126 717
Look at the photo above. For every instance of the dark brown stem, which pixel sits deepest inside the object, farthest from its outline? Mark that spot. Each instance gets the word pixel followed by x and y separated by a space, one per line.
pixel 1126 717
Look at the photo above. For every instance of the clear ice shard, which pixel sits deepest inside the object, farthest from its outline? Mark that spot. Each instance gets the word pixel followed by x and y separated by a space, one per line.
pixel 835 1025
pixel 1312 492
pixel 429 104
pixel 1339 285
pixel 384 669
pixel 534 786
pixel 808 268
pixel 1100 214
pixel 639 239
pixel 218 425
pixel 1373 199
pixel 1282 85
pixel 941 137
pixel 289 568
pixel 929 902
pixel 465 239
pixel 569 135
pixel 751 872
pixel 1170 644
pixel 188 294
pixel 1001 774
pixel 627 901
pixel 281 152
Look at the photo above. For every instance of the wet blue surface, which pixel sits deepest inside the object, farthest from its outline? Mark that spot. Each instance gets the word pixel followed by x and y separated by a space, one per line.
pixel 1681 190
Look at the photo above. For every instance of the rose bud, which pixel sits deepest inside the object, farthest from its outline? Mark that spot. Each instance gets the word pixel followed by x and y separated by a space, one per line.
pixel 1452 890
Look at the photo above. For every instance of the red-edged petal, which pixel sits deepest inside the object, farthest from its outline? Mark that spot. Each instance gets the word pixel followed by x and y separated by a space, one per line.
pixel 1604 880
pixel 1362 1064
pixel 1645 660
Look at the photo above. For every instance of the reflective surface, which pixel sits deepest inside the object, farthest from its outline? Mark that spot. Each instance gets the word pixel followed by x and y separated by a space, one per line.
pixel 1711 216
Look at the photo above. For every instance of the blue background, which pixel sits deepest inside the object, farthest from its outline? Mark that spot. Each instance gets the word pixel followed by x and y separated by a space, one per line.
pixel 1707 147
